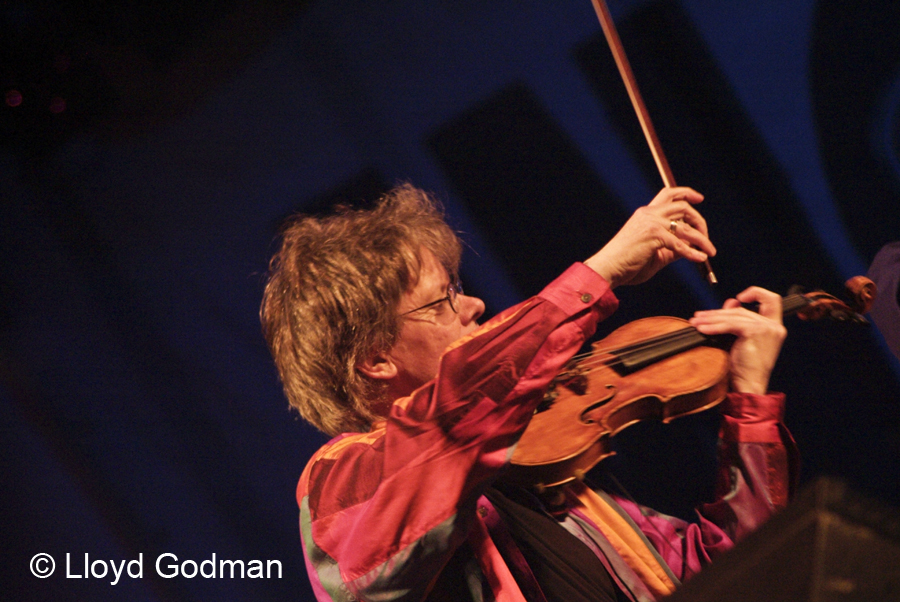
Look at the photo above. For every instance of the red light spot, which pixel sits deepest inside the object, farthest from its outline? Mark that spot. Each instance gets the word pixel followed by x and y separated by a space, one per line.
pixel 13 98
pixel 57 105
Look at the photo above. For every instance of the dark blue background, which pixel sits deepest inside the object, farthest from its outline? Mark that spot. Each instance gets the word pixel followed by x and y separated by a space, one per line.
pixel 141 413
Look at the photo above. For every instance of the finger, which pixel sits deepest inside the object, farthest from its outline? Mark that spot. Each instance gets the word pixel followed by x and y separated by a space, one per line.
pixel 770 304
pixel 692 216
pixel 724 315
pixel 677 193
pixel 682 249
pixel 713 325
pixel 693 237
pixel 737 321
pixel 731 304
pixel 681 211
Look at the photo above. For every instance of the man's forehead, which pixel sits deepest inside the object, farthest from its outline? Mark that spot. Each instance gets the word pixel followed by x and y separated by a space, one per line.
pixel 430 269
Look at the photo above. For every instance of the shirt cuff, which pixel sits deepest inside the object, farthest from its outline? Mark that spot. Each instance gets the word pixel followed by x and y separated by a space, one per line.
pixel 580 287
pixel 751 418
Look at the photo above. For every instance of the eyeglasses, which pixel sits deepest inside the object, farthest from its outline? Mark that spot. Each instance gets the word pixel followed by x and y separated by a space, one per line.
pixel 454 289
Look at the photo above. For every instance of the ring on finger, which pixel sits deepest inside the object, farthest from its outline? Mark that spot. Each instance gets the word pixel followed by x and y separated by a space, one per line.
pixel 673 226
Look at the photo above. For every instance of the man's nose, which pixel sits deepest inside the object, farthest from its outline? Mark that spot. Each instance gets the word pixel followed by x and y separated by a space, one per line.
pixel 470 308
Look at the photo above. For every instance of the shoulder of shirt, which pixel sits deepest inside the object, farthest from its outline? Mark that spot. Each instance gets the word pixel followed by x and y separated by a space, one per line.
pixel 340 444
pixel 341 449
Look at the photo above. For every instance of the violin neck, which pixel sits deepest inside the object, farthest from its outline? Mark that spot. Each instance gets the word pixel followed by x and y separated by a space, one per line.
pixel 793 303
pixel 637 356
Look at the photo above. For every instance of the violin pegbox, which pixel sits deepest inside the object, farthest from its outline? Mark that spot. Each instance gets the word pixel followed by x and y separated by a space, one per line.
pixel 817 305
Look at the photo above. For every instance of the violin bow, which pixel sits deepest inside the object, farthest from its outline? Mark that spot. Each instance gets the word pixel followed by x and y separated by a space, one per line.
pixel 618 52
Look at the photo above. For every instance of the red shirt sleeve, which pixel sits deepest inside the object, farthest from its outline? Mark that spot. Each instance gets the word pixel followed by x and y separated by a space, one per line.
pixel 758 463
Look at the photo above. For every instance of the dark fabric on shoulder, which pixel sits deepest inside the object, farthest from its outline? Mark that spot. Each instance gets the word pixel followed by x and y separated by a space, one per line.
pixel 566 569
pixel 453 585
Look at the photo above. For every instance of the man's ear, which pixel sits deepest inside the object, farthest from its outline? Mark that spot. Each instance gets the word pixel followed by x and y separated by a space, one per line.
pixel 378 365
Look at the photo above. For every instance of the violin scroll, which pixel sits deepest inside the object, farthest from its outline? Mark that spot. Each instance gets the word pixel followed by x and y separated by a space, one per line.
pixel 863 291
pixel 817 305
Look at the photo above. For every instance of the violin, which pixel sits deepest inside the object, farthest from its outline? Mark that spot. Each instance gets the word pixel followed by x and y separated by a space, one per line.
pixel 657 368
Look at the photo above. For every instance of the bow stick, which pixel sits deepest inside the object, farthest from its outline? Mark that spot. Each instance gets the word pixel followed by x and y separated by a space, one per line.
pixel 615 45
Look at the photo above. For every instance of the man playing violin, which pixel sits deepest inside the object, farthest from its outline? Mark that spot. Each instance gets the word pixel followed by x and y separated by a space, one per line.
pixel 377 346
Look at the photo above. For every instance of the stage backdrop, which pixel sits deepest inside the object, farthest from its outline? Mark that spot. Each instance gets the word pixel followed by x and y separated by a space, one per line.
pixel 149 153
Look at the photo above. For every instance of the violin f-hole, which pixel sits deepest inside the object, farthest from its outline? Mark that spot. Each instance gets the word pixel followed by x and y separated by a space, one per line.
pixel 585 418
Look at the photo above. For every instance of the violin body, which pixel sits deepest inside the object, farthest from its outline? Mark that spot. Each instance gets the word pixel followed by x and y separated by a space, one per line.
pixel 651 369
pixel 598 397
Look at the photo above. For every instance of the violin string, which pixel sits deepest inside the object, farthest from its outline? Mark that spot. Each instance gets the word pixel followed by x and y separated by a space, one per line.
pixel 642 345
pixel 605 361
pixel 791 304
pixel 598 356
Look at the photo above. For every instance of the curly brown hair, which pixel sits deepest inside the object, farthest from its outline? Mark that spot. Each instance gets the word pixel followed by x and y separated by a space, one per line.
pixel 331 299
